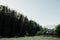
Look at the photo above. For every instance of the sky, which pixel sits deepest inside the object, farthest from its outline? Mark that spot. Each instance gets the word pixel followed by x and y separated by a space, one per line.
pixel 44 12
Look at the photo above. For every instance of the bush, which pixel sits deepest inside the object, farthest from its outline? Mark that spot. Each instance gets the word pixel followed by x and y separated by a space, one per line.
pixel 58 29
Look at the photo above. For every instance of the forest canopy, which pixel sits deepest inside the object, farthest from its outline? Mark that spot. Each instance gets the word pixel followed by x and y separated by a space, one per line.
pixel 13 24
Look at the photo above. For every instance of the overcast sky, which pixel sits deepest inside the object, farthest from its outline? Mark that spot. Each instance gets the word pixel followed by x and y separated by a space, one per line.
pixel 44 12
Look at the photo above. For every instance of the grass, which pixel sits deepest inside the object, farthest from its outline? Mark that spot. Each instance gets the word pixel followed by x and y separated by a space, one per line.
pixel 33 38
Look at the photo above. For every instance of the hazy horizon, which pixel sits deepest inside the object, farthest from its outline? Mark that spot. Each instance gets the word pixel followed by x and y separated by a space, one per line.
pixel 44 12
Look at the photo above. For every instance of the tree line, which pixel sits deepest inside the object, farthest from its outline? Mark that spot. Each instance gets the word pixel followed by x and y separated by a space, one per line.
pixel 14 24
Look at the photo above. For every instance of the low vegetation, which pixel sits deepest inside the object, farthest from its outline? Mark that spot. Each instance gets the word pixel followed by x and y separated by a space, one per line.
pixel 32 38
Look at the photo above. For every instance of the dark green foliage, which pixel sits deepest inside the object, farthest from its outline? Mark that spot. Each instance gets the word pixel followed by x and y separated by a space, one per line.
pixel 32 28
pixel 13 25
pixel 40 30
pixel 45 30
pixel 58 29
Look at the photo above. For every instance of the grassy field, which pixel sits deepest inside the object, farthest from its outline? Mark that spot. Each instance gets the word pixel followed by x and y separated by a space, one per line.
pixel 33 38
